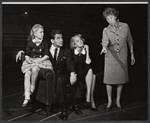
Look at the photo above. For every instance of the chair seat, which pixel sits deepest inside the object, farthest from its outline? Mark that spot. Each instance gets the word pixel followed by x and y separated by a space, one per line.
pixel 45 87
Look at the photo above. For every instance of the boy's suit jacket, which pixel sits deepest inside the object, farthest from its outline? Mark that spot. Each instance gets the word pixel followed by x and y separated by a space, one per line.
pixel 64 63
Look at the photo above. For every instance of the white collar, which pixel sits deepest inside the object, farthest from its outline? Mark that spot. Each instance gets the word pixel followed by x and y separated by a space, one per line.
pixel 76 52
pixel 53 47
pixel 37 43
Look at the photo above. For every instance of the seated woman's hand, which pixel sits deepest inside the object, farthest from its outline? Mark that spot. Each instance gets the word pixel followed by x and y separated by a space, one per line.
pixel 18 56
pixel 36 60
pixel 86 47
pixel 29 61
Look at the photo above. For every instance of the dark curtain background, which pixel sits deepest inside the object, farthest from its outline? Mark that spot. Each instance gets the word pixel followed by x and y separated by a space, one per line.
pixel 72 19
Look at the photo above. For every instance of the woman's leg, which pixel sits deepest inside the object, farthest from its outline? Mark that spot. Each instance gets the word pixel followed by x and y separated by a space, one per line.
pixel 88 80
pixel 119 90
pixel 109 94
pixel 92 92
pixel 27 84
pixel 35 71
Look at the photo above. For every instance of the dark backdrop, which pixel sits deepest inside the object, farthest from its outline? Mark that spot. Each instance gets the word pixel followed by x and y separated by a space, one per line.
pixel 74 19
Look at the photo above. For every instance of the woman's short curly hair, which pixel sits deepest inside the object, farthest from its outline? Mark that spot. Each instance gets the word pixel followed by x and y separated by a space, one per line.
pixel 72 41
pixel 110 11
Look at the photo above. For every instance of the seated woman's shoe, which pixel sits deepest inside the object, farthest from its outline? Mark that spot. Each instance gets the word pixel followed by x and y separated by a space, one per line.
pixel 94 109
pixel 26 102
pixel 108 108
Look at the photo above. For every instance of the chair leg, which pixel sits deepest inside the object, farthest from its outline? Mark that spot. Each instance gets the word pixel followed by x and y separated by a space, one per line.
pixel 48 107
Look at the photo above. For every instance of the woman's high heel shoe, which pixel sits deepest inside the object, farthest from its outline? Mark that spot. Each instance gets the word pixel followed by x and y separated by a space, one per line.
pixel 27 101
pixel 108 108
pixel 94 109
pixel 119 107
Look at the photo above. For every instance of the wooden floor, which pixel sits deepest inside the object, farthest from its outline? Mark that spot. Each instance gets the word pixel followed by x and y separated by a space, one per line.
pixel 12 111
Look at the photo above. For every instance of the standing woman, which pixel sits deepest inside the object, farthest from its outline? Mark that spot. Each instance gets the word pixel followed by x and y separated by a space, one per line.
pixel 116 36
pixel 83 69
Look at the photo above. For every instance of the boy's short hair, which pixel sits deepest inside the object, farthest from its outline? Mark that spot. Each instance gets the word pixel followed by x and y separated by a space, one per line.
pixel 54 32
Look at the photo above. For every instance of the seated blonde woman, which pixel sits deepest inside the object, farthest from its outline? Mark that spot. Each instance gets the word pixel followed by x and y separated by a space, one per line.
pixel 82 66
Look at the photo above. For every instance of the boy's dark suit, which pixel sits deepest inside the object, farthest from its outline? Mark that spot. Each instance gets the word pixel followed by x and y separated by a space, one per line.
pixel 62 68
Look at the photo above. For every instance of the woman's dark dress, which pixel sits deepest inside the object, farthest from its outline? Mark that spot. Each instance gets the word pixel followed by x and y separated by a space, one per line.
pixel 81 66
pixel 35 52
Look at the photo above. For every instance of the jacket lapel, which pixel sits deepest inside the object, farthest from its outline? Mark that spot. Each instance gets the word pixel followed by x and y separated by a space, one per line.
pixel 51 58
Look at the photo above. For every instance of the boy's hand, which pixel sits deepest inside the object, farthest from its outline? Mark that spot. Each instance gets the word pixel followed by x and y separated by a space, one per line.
pixel 73 78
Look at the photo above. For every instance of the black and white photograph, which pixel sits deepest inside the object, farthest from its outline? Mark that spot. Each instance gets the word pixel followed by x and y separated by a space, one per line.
pixel 74 61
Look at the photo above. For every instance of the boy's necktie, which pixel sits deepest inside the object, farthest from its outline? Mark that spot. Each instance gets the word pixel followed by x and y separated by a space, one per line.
pixel 55 54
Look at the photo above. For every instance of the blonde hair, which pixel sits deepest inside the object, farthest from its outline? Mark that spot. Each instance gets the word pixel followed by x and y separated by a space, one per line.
pixel 33 30
pixel 72 41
